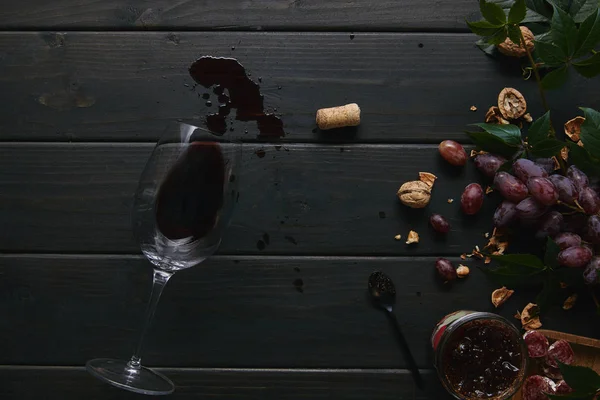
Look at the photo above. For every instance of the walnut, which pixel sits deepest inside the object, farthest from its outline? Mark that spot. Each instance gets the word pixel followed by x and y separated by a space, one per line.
pixel 494 116
pixel 530 317
pixel 570 302
pixel 428 178
pixel 462 271
pixel 473 108
pixel 511 103
pixel 512 49
pixel 573 128
pixel 415 194
pixel 413 237
pixel 499 296
pixel 564 153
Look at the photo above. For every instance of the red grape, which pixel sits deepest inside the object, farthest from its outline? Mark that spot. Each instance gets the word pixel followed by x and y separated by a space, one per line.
pixel 453 152
pixel 525 169
pixel 590 273
pixel 575 257
pixel 543 190
pixel 567 239
pixel 589 200
pixel 578 177
pixel 530 209
pixel 567 191
pixel 445 269
pixel 439 223
pixel 471 199
pixel 550 226
pixel 510 187
pixel 547 164
pixel 488 163
pixel 505 214
pixel 593 229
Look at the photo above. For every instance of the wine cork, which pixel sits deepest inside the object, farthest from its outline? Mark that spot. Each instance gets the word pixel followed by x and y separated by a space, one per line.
pixel 338 117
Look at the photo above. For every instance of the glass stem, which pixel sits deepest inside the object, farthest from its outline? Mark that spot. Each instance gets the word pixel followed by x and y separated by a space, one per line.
pixel 158 284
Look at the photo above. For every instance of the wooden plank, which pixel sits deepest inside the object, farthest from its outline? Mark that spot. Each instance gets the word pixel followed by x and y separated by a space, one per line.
pixel 236 311
pixel 307 199
pixel 238 15
pixel 111 86
pixel 73 383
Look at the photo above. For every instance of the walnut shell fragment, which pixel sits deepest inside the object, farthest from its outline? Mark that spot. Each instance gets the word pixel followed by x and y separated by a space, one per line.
pixel 415 194
pixel 511 103
pixel 494 116
pixel 428 178
pixel 564 153
pixel 413 237
pixel 570 302
pixel 573 128
pixel 462 271
pixel 530 317
pixel 512 49
pixel 499 296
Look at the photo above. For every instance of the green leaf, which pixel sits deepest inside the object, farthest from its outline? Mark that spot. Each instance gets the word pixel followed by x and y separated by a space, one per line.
pixel 550 54
pixel 556 78
pixel 540 8
pixel 488 142
pixel 517 269
pixel 582 158
pixel 497 37
pixel 514 33
pixel 587 8
pixel 483 28
pixel 581 379
pixel 572 396
pixel 539 129
pixel 590 131
pixel 590 67
pixel 564 31
pixel 509 134
pixel 547 148
pixel 492 13
pixel 487 48
pixel 551 253
pixel 517 12
pixel 588 35
pixel 571 276
pixel 525 260
pixel 549 294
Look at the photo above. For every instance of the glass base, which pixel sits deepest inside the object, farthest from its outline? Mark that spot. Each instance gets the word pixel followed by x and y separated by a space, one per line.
pixel 118 373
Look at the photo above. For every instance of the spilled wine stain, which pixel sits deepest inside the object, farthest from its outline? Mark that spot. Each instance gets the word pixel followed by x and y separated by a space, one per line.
pixel 243 95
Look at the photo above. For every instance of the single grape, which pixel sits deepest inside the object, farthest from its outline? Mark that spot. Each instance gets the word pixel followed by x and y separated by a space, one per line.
pixel 510 187
pixel 567 239
pixel 453 152
pixel 589 200
pixel 439 223
pixel 488 163
pixel 543 190
pixel 550 226
pixel 575 257
pixel 593 229
pixel 567 191
pixel 505 214
pixel 471 199
pixel 590 273
pixel 578 177
pixel 525 169
pixel 445 269
pixel 530 209
pixel 547 164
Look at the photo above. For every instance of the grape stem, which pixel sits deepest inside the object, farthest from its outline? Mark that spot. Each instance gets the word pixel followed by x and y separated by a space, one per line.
pixel 576 209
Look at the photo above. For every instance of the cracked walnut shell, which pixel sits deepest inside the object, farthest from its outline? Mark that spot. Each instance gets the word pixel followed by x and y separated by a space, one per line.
pixel 499 296
pixel 493 116
pixel 511 103
pixel 511 49
pixel 573 128
pixel 415 194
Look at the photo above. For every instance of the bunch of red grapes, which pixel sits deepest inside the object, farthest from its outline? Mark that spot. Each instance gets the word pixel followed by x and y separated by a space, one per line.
pixel 538 198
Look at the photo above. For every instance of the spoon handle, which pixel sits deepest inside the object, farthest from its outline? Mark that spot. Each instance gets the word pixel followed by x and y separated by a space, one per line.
pixel 412 364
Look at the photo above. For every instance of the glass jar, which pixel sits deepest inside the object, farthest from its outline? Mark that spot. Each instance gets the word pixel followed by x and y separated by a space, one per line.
pixel 479 355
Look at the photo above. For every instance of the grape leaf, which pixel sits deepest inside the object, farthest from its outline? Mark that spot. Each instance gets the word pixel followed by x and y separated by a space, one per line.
pixel 564 31
pixel 549 53
pixel 497 37
pixel 517 12
pixel 488 142
pixel 483 28
pixel 539 8
pixel 539 129
pixel 551 253
pixel 581 379
pixel 509 134
pixel 556 78
pixel 524 260
pixel 588 35
pixel 516 269
pixel 590 67
pixel 549 294
pixel 582 158
pixel 587 8
pixel 487 48
pixel 514 33
pixel 590 130
pixel 493 13
pixel 547 148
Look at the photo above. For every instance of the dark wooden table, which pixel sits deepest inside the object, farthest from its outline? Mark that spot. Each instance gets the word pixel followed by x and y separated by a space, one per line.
pixel 88 86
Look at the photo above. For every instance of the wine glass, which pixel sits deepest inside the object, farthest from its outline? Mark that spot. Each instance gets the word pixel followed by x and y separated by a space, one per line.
pixel 182 206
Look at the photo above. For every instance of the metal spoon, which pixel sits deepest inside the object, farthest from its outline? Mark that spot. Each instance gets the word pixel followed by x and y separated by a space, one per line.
pixel 383 295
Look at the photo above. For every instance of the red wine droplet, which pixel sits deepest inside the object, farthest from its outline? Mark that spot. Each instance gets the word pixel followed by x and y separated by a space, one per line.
pixel 244 95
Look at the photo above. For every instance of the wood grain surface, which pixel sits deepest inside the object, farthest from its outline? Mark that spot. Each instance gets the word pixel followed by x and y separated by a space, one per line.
pixel 296 199
pixel 311 15
pixel 115 86
pixel 239 311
